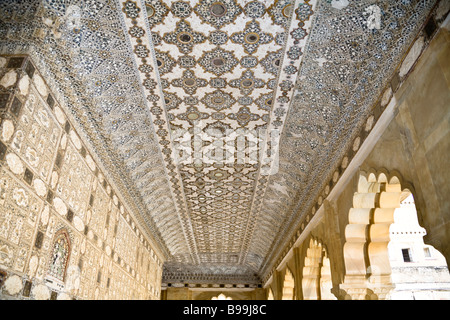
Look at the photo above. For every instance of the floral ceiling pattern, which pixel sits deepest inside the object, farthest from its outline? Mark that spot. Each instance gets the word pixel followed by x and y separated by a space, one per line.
pixel 218 120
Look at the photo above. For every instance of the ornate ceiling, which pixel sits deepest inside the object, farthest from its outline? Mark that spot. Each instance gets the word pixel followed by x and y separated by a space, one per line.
pixel 219 121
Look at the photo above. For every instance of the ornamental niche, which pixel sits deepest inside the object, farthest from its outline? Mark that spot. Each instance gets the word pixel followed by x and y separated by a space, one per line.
pixel 60 255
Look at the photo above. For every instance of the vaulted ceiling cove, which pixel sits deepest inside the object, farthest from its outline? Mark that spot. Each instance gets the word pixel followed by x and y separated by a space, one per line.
pixel 219 121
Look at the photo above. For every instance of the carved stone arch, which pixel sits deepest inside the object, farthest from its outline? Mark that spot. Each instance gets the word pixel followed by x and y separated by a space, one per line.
pixel 377 207
pixel 367 234
pixel 270 294
pixel 316 281
pixel 326 283
pixel 221 297
pixel 288 285
pixel 408 187
pixel 59 255
pixel 396 178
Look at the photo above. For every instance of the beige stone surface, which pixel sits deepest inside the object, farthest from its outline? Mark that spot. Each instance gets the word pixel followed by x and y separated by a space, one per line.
pixel 14 163
pixel 24 85
pixel 13 285
pixel 2 62
pixel 60 115
pixel 41 292
pixel 7 130
pixel 45 215
pixel 78 223
pixel 40 85
pixel 33 265
pixel 90 162
pixel 40 187
pixel 60 206
pixel 412 56
pixel 75 139
pixel 9 79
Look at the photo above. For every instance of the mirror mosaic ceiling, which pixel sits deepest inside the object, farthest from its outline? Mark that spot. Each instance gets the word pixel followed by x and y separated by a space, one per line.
pixel 218 120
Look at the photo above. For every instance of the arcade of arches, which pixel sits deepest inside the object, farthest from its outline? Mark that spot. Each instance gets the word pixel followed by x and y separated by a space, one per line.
pixel 93 206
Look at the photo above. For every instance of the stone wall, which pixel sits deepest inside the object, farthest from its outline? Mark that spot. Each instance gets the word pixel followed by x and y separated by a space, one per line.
pixel 64 232
pixel 417 141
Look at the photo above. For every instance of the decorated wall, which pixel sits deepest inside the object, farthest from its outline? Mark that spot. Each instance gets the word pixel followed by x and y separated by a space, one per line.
pixel 64 231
